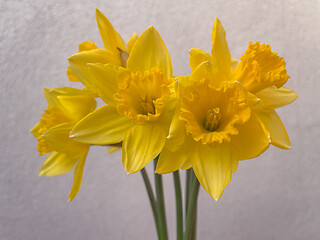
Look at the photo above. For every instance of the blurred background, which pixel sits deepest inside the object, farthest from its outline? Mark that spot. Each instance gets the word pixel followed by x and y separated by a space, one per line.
pixel 275 196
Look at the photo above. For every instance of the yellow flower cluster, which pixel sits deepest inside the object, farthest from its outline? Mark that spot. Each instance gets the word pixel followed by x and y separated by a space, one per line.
pixel 222 113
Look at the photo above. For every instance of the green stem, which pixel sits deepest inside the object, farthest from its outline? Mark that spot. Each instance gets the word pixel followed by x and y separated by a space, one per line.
pixel 179 212
pixel 151 199
pixel 191 209
pixel 194 224
pixel 194 221
pixel 188 188
pixel 160 201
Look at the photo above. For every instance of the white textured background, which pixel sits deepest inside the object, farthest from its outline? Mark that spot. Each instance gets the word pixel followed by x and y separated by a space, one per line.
pixel 276 196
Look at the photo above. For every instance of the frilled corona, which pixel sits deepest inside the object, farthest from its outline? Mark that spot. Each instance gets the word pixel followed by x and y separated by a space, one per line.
pixel 142 97
pixel 51 117
pixel 210 113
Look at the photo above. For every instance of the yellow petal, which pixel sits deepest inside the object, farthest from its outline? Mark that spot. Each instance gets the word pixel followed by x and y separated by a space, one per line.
pixel 273 97
pixel 170 161
pixel 213 167
pixel 78 63
pixel 253 101
pixel 113 149
pixel 106 81
pixel 103 126
pixel 149 51
pixel 57 163
pixel 209 71
pixel 65 91
pixel 95 56
pixel 251 140
pixel 77 107
pixel 177 132
pixel 52 94
pixel 85 46
pixel 220 51
pixel 74 103
pixel 52 97
pixel 142 144
pixel 111 39
pixel 58 139
pixel 278 133
pixel 131 42
pixel 235 164
pixel 72 76
pixel 35 130
pixel 197 56
pixel 187 164
pixel 168 112
pixel 78 176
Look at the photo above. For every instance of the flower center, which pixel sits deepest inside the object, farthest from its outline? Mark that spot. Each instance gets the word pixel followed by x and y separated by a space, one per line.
pixel 147 105
pixel 211 122
pixel 142 97
pixel 51 117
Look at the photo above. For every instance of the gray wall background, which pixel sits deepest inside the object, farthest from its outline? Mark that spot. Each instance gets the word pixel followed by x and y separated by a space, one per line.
pixel 275 196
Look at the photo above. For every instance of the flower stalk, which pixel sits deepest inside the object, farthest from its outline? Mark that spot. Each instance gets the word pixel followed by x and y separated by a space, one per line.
pixel 191 211
pixel 161 205
pixel 152 199
pixel 188 188
pixel 179 211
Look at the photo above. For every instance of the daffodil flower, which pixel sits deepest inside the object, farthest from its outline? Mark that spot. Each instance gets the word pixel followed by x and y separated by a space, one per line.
pixel 263 74
pixel 140 103
pixel 116 52
pixel 213 128
pixel 66 106
pixel 226 112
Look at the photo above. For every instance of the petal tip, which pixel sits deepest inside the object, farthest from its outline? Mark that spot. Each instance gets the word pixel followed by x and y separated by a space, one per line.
pixel 98 12
pixel 71 58
pixel 216 197
pixel 216 22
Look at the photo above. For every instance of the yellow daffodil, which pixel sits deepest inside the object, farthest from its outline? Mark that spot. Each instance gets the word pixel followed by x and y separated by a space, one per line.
pixel 116 52
pixel 263 74
pixel 226 112
pixel 212 129
pixel 139 103
pixel 66 106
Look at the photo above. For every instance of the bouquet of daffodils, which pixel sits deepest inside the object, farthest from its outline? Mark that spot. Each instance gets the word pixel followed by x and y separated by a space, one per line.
pixel 204 123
